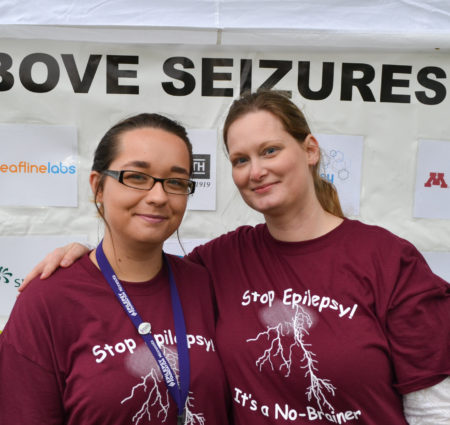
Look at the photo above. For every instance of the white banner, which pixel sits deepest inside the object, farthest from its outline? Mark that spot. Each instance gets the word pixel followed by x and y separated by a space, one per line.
pixel 374 106
pixel 182 247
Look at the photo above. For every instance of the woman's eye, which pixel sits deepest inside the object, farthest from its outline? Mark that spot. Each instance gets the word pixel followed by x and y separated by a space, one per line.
pixel 271 150
pixel 176 183
pixel 238 161
pixel 136 178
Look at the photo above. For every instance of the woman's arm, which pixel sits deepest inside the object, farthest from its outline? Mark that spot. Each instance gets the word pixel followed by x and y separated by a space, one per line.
pixel 430 406
pixel 60 257
pixel 65 256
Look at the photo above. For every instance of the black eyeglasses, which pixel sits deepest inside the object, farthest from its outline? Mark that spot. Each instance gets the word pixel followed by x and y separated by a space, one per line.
pixel 142 181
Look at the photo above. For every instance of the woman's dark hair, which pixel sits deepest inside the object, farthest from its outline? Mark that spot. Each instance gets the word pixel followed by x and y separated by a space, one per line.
pixel 294 123
pixel 108 148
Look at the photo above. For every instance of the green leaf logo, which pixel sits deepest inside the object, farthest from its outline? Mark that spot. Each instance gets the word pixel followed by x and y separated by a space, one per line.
pixel 5 274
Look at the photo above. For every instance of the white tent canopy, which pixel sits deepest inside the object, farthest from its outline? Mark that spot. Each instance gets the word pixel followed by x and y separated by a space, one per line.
pixel 380 24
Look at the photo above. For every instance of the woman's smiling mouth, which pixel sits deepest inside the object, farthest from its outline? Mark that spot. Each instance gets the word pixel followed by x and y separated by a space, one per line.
pixel 264 187
pixel 152 218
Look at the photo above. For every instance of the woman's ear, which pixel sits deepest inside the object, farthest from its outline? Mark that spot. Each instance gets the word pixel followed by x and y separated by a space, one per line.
pixel 94 181
pixel 311 146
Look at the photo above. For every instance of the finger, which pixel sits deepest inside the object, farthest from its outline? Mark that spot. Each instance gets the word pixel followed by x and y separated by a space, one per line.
pixel 36 271
pixel 74 252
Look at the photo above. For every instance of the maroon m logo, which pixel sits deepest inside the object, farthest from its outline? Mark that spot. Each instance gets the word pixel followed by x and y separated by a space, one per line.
pixel 436 179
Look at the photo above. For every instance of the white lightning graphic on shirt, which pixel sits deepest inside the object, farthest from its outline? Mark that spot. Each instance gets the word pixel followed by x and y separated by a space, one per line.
pixel 149 385
pixel 283 338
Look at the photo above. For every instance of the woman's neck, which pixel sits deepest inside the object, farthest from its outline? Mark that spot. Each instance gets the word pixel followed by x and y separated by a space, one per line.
pixel 131 262
pixel 302 225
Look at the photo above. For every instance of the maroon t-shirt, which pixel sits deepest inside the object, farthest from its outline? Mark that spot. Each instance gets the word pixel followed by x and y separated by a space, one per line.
pixel 69 354
pixel 331 330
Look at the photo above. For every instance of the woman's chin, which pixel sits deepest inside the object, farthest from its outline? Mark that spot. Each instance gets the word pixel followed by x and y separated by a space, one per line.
pixel 264 207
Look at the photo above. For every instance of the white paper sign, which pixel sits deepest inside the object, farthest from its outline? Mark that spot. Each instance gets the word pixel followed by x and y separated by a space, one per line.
pixel 18 255
pixel 38 165
pixel 204 144
pixel 439 263
pixel 341 165
pixel 432 194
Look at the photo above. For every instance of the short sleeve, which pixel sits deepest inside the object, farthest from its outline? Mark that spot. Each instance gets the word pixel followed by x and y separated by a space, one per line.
pixel 418 324
pixel 29 394
pixel 194 256
pixel 30 388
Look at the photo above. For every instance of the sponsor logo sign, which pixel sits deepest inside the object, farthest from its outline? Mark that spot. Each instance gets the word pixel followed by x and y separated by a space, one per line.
pixel 341 165
pixel 432 194
pixel 38 166
pixel 204 145
pixel 18 254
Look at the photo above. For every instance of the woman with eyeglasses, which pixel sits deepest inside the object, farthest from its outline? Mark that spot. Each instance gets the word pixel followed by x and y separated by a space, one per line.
pixel 321 319
pixel 126 334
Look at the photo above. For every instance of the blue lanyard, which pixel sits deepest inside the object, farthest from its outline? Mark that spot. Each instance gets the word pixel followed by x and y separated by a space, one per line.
pixel 178 392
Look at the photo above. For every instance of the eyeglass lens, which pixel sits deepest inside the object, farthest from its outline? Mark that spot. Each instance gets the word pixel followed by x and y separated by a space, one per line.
pixel 146 182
